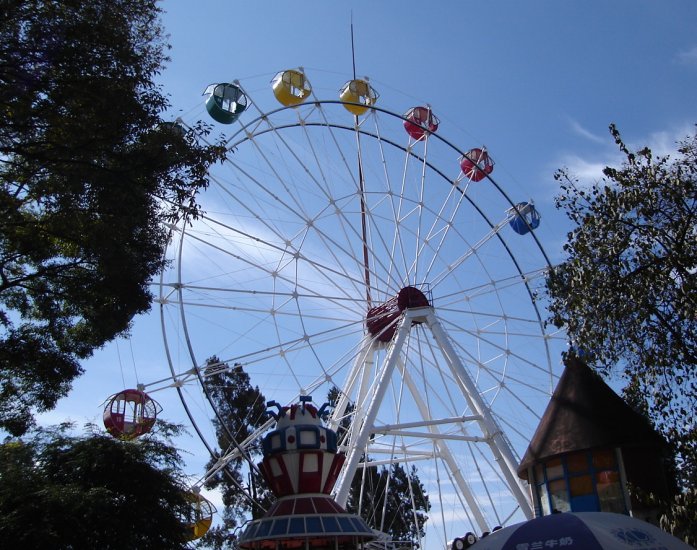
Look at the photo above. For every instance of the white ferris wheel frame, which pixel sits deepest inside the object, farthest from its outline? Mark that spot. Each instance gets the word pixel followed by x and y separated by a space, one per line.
pixel 364 368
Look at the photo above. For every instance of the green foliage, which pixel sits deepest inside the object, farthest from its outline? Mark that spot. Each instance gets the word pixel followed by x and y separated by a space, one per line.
pixel 392 501
pixel 680 516
pixel 627 292
pixel 64 491
pixel 677 515
pixel 90 175
pixel 242 409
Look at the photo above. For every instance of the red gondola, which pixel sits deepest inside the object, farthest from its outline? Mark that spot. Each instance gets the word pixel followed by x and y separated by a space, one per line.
pixel 130 413
pixel 420 122
pixel 381 320
pixel 476 164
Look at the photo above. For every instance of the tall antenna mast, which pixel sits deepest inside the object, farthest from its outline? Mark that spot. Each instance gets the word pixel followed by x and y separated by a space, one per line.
pixel 361 185
pixel 353 49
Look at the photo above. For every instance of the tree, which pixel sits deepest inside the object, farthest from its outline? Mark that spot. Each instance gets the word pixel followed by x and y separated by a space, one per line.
pixel 90 176
pixel 392 500
pixel 627 291
pixel 92 491
pixel 241 410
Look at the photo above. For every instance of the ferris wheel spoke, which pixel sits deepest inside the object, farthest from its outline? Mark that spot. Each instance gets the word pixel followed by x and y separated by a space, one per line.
pixel 317 163
pixel 445 396
pixel 513 428
pixel 483 459
pixel 315 172
pixel 388 277
pixel 473 250
pixel 419 240
pixel 329 273
pixel 312 223
pixel 266 200
pixel 359 186
pixel 497 285
pixel 502 351
pixel 499 376
pixel 401 213
pixel 295 345
pixel 441 229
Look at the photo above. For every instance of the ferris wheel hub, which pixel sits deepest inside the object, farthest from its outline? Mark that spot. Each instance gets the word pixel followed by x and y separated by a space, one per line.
pixel 381 319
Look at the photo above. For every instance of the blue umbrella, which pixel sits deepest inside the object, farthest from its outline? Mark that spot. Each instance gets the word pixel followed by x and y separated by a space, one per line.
pixel 581 531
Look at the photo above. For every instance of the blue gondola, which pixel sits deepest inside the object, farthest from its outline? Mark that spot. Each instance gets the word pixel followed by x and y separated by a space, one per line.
pixel 525 218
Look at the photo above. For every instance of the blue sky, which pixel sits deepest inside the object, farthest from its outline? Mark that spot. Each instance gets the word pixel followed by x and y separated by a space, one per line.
pixel 537 82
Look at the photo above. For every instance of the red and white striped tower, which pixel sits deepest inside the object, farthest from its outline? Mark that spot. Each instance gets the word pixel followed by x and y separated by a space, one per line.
pixel 301 465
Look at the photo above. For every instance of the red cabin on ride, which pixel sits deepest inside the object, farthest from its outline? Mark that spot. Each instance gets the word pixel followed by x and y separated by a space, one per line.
pixel 130 413
pixel 381 320
pixel 419 122
pixel 476 164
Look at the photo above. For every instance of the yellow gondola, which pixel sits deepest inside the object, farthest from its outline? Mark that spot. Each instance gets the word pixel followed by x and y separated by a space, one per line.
pixel 357 96
pixel 291 87
pixel 199 517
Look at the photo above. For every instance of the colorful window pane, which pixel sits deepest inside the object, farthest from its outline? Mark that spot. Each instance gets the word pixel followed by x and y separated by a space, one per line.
pixel 610 491
pixel 559 496
pixel 604 459
pixel 581 481
pixel 310 463
pixel 577 463
pixel 539 473
pixel 544 499
pixel 554 468
pixel 308 438
pixel 581 485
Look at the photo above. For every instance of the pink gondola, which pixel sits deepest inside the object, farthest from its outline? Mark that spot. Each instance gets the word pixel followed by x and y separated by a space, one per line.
pixel 130 414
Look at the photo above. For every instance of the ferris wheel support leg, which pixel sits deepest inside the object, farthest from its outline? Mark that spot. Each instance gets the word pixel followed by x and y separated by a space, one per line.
pixel 497 442
pixel 366 378
pixel 360 436
pixel 361 368
pixel 444 451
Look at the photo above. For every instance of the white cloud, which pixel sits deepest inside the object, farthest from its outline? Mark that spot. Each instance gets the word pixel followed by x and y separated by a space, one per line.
pixel 687 57
pixel 587 171
pixel 664 142
pixel 588 168
pixel 585 133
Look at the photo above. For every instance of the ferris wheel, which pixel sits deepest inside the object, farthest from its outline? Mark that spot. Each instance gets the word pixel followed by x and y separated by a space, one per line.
pixel 346 245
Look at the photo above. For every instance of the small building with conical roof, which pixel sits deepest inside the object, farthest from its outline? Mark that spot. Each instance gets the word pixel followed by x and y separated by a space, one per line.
pixel 588 446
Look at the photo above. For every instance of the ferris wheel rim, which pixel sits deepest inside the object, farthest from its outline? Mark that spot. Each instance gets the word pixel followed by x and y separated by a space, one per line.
pixel 376 109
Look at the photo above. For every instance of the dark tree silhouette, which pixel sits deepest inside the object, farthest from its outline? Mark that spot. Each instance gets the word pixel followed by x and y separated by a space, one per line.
pixel 93 491
pixel 90 174
pixel 242 409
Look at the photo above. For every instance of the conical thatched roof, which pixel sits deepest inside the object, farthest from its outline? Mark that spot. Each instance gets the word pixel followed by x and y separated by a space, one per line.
pixel 585 413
